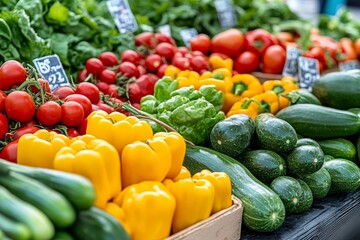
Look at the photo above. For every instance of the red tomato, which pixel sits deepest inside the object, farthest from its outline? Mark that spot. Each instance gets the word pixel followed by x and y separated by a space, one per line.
pixel 113 91
pixel 182 63
pixel 16 134
pixel 198 53
pixel 182 50
pixel 141 69
pixel 246 62
pixel 82 127
pixel 72 132
pixel 199 64
pixel 20 106
pixel 2 101
pixel 82 100
pixel 161 70
pixel 165 50
pixel 11 73
pixel 357 47
pixel 131 56
pixel 72 114
pixel 108 76
pixel 83 74
pixel 89 90
pixel 105 107
pixel 49 113
pixel 146 39
pixel 128 69
pixel 153 62
pixel 63 92
pixel 229 42
pixel 43 84
pixel 161 37
pixel 9 152
pixel 94 66
pixel 102 86
pixel 4 126
pixel 109 59
pixel 274 59
pixel 201 43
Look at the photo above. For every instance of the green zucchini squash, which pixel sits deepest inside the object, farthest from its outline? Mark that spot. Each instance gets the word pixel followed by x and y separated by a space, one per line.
pixel 302 96
pixel 62 235
pixel 14 230
pixel 306 199
pixel 305 159
pixel 355 110
pixel 307 141
pixel 319 182
pixel 319 122
pixel 263 209
pixel 327 157
pixel 358 146
pixel 339 148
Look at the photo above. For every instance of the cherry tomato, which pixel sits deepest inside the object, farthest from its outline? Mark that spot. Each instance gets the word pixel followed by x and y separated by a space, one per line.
pixel 128 69
pixel 82 127
pixel 182 50
pixel 198 53
pixel 102 86
pixel 161 37
pixel 83 74
pixel 113 91
pixel 49 113
pixel 229 42
pixel 161 70
pixel 131 56
pixel 199 64
pixel 274 59
pixel 109 59
pixel 16 134
pixel 20 106
pixel 43 84
pixel 11 73
pixel 165 50
pixel 146 39
pixel 2 101
pixel 89 90
pixel 94 66
pixel 4 126
pixel 246 62
pixel 142 70
pixel 105 107
pixel 108 76
pixel 153 62
pixel 9 152
pixel 72 132
pixel 82 100
pixel 72 114
pixel 201 43
pixel 63 92
pixel 182 63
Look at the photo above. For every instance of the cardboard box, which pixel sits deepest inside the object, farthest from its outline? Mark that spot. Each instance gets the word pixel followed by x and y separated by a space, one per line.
pixel 222 225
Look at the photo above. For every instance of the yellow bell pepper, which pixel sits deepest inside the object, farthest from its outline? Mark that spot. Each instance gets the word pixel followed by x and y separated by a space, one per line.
pixel 183 174
pixel 148 160
pixel 244 106
pixel 177 146
pixel 172 71
pixel 217 62
pixel 222 184
pixel 118 213
pixel 117 128
pixel 240 86
pixel 194 201
pixel 188 78
pixel 96 160
pixel 39 149
pixel 149 209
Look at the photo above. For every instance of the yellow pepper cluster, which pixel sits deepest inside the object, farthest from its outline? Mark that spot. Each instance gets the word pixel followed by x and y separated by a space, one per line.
pixel 244 93
pixel 137 175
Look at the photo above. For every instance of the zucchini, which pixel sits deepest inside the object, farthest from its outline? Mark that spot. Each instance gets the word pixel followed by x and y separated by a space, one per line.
pixel 339 148
pixel 305 159
pixel 358 146
pixel 263 209
pixel 265 165
pixel 54 205
pixel 327 157
pixel 339 90
pixel 232 135
pixel 77 189
pixel 307 198
pixel 307 141
pixel 345 175
pixel 302 96
pixel 95 224
pixel 274 134
pixel 39 225
pixel 355 111
pixel 14 230
pixel 61 235
pixel 319 122
pixel 319 183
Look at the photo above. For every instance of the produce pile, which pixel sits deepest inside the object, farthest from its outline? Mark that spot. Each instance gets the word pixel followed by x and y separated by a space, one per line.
pixel 151 137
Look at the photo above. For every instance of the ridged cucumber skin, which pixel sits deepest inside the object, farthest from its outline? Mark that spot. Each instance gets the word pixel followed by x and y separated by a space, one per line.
pixel 307 198
pixel 319 122
pixel 307 141
pixel 345 175
pixel 305 159
pixel 39 225
pixel 319 183
pixel 339 148
pixel 14 230
pixel 78 190
pixel 54 205
pixel 263 209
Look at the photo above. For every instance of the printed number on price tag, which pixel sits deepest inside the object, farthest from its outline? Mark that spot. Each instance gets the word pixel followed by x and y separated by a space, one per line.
pixel 291 64
pixel 123 16
pixel 308 71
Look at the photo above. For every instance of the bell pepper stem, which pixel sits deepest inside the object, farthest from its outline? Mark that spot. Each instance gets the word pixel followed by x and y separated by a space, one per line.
pixel 238 89
pixel 278 89
pixel 292 96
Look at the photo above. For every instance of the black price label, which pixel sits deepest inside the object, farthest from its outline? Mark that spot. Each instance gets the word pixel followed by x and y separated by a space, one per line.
pixel 226 14
pixel 308 71
pixel 51 69
pixel 123 16
pixel 188 34
pixel 291 64
pixel 346 66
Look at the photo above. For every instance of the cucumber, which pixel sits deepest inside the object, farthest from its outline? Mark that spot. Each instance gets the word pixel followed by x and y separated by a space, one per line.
pixel 345 175
pixel 265 165
pixel 339 90
pixel 305 159
pixel 14 230
pixel 39 225
pixel 274 134
pixel 307 198
pixel 302 96
pixel 307 141
pixel 319 122
pixel 339 148
pixel 77 189
pixel 263 209
pixel 319 183
pixel 96 224
pixel 55 206
pixel 232 135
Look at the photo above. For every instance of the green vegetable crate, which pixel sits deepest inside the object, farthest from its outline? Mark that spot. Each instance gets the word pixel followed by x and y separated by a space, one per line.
pixel 225 224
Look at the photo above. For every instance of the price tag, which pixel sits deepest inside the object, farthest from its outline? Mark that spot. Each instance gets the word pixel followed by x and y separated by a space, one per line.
pixel 291 64
pixel 349 65
pixel 51 69
pixel 188 34
pixel 225 12
pixel 165 29
pixel 308 71
pixel 123 16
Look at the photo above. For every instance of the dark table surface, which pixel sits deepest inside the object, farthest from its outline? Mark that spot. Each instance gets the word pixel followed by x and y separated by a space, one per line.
pixel 335 217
